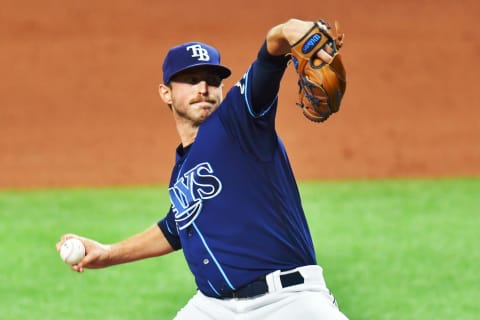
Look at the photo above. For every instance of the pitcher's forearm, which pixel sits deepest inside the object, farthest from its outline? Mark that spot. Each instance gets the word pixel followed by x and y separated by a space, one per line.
pixel 147 244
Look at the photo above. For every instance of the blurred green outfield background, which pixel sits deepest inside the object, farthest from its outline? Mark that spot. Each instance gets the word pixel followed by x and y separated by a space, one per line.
pixel 391 249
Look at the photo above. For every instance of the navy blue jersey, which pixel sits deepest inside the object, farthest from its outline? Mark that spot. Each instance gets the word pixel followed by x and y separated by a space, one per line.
pixel 236 210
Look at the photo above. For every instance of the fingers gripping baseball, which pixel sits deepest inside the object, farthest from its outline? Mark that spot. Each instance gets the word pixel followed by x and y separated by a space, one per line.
pixel 95 254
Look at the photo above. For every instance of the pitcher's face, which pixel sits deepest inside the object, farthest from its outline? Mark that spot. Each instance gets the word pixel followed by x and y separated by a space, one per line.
pixel 195 94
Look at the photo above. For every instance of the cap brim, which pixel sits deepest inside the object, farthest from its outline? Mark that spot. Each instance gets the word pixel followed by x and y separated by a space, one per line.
pixel 222 71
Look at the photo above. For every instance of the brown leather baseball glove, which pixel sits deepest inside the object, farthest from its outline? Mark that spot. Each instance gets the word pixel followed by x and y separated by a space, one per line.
pixel 322 81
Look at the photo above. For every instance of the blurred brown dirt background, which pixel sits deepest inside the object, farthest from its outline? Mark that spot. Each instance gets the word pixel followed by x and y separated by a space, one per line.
pixel 79 103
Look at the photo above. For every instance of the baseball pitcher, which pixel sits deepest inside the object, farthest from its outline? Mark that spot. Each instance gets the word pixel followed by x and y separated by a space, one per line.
pixel 236 211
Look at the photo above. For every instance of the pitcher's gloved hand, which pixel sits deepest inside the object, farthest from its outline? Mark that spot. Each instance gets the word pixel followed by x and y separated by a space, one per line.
pixel 322 76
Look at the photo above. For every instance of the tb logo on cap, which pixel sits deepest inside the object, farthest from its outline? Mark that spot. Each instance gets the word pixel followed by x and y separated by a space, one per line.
pixel 198 52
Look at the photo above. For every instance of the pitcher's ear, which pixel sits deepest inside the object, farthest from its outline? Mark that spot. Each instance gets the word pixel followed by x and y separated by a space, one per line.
pixel 165 93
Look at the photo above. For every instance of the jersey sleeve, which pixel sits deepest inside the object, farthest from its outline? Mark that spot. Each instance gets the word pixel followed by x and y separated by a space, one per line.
pixel 168 226
pixel 249 109
pixel 266 73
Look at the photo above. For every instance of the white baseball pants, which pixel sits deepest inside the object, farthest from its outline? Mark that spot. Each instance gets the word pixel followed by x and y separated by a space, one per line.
pixel 308 301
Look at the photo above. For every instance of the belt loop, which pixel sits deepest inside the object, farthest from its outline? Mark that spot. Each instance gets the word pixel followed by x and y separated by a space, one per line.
pixel 273 281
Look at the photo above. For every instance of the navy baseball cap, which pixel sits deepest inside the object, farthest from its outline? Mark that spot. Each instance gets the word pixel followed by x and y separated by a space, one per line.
pixel 192 54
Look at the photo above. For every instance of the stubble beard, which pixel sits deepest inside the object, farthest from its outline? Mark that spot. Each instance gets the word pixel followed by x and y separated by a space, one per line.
pixel 197 115
pixel 203 113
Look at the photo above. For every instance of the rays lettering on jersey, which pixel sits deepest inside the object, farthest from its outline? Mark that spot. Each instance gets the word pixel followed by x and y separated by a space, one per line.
pixel 189 192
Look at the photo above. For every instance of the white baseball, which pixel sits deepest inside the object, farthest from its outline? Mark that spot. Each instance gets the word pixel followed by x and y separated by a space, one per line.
pixel 72 251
